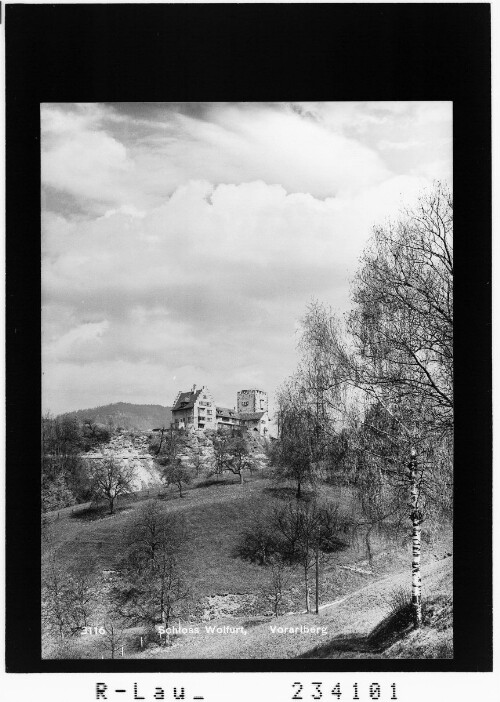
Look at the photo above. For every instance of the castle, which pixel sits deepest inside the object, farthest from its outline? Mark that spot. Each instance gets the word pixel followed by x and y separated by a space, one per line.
pixel 197 409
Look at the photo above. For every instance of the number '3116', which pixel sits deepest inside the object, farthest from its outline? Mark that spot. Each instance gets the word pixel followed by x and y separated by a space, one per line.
pixel 93 631
pixel 320 690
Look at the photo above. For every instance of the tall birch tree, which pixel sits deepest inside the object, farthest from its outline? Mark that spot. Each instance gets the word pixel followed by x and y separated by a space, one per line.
pixel 397 356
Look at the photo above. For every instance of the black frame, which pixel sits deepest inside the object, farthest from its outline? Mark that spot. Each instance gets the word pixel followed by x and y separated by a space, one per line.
pixel 94 53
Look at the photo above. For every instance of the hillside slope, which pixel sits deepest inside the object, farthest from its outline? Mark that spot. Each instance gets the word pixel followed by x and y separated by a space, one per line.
pixel 342 629
pixel 228 591
pixel 127 415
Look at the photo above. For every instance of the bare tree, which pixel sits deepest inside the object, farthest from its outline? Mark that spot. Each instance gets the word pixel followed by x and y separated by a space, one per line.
pixel 156 592
pixel 293 524
pixel 64 477
pixel 279 579
pixel 197 461
pixel 322 391
pixel 111 479
pixel 239 457
pixel 168 457
pixel 113 638
pixel 68 597
pixel 294 454
pixel 55 614
pixel 176 473
pixel 169 446
pixel 153 529
pixel 154 585
pixel 156 444
pixel 398 354
pixel 82 592
pixel 222 454
pixel 331 533
pixel 402 326
pixel 381 488
pixel 308 530
pixel 259 542
pixel 402 322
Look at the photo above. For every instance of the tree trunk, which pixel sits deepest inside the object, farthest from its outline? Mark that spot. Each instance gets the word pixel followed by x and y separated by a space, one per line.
pixel 317 582
pixel 111 504
pixel 180 489
pixel 306 579
pixel 166 613
pixel 369 546
pixel 161 441
pixel 163 620
pixel 416 519
pixel 241 477
pixel 298 490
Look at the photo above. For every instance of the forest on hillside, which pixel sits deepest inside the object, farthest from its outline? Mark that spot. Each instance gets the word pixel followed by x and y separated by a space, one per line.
pixel 125 415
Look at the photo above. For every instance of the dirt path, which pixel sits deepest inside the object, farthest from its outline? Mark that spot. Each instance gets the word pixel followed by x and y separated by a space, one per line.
pixel 340 629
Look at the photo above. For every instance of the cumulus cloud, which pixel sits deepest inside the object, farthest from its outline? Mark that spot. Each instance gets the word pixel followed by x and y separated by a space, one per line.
pixel 82 155
pixel 81 159
pixel 189 239
pixel 82 340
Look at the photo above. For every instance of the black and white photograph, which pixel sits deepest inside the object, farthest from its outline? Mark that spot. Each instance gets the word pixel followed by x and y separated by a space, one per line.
pixel 248 264
pixel 247 380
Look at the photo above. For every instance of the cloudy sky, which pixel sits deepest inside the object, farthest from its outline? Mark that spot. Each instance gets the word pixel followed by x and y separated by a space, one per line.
pixel 181 243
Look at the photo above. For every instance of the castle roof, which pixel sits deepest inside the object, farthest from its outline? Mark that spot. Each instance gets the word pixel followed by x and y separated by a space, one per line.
pixel 186 400
pixel 227 411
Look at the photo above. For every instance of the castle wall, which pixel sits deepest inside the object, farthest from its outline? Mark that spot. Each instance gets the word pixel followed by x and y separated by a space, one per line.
pixel 205 414
pixel 249 401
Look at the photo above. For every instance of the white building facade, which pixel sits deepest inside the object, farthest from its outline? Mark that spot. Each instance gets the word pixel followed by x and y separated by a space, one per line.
pixel 196 409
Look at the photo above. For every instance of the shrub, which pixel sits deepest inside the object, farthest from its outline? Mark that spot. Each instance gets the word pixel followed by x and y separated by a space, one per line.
pixel 66 650
pixel 400 617
pixel 396 624
pixel 258 544
pixel 400 609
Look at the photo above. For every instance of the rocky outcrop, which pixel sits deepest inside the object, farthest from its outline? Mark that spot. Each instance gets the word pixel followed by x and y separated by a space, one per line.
pixel 200 443
pixel 227 605
pixel 197 449
pixel 197 452
pixel 130 448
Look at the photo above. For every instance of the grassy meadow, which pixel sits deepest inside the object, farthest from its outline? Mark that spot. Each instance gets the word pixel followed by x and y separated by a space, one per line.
pixel 225 589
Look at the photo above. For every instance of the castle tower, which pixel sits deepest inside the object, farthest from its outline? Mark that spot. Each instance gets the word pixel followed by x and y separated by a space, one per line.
pixel 251 401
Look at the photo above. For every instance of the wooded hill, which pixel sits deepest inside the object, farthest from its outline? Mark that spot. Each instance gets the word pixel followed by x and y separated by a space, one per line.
pixel 126 415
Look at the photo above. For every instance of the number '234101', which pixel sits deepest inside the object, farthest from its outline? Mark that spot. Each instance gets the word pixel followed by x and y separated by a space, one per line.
pixel 320 690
